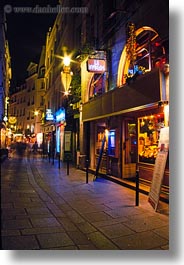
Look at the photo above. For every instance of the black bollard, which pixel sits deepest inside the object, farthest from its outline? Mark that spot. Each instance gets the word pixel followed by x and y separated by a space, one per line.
pixel 68 163
pixel 59 160
pixel 87 169
pixel 137 188
pixel 53 158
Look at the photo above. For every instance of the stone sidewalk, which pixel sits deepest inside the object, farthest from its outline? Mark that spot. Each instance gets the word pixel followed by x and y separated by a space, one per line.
pixel 44 208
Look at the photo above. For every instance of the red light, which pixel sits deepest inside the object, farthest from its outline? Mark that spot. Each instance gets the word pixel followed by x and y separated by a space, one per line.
pixel 157 44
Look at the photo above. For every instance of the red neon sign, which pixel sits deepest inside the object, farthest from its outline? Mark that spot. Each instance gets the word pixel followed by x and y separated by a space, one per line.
pixel 96 65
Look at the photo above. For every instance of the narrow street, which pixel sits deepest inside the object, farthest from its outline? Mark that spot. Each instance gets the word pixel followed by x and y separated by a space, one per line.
pixel 44 208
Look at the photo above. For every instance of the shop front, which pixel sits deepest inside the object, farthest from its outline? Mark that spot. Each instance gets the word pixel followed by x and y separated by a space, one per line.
pixel 124 129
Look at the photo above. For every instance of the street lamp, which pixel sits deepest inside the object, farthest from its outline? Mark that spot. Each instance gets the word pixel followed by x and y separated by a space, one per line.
pixel 66 75
pixel 66 61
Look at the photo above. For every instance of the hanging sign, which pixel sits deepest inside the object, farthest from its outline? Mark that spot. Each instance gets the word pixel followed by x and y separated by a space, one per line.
pixel 12 120
pixel 49 116
pixel 96 65
pixel 60 115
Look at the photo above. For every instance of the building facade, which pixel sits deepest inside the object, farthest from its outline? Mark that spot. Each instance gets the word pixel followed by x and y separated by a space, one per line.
pixel 5 77
pixel 111 102
pixel 125 106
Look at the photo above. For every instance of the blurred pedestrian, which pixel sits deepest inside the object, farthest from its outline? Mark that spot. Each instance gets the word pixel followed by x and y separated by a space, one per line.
pixel 35 147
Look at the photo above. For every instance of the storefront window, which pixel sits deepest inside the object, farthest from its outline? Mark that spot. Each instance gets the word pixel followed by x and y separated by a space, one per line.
pixel 149 130
pixel 100 139
pixel 111 142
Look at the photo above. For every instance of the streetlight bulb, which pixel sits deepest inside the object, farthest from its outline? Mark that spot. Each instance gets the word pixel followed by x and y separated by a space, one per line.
pixel 36 112
pixel 66 61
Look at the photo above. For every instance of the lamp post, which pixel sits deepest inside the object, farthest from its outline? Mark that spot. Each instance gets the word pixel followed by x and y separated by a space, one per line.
pixel 66 78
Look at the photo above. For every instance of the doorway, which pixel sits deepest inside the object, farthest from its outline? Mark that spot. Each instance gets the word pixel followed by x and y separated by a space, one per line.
pixel 129 148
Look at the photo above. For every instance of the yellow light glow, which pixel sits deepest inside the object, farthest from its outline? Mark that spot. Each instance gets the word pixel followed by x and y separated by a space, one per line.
pixel 166 115
pixel 66 61
pixel 66 93
pixel 106 133
pixel 36 112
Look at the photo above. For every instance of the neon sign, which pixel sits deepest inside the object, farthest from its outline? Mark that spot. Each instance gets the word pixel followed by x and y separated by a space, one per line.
pixel 49 116
pixel 60 115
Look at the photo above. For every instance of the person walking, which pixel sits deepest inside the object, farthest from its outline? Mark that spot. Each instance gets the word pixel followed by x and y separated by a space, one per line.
pixel 35 148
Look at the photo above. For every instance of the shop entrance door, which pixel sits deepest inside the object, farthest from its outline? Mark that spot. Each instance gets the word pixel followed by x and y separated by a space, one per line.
pixel 129 149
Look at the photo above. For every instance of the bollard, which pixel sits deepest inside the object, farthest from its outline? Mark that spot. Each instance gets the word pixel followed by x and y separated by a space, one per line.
pixel 137 188
pixel 87 169
pixel 59 160
pixel 68 162
pixel 53 158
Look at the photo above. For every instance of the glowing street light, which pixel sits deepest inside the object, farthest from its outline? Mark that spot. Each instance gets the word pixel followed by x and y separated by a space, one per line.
pixel 66 61
pixel 66 75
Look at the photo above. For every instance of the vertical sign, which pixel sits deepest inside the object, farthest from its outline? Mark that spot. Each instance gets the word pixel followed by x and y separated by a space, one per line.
pixel 159 168
pixel 67 146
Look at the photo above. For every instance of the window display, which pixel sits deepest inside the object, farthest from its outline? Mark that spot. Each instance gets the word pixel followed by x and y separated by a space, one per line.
pixel 111 142
pixel 149 130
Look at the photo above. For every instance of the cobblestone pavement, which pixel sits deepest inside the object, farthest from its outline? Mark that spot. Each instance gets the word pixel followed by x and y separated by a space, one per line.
pixel 44 208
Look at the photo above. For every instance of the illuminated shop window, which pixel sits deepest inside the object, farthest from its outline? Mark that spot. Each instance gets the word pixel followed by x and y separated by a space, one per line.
pixel 149 130
pixel 111 142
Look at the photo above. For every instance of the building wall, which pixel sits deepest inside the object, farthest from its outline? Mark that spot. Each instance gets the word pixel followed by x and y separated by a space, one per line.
pixel 5 77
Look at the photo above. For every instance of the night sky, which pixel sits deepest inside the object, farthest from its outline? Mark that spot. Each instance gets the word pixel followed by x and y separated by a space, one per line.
pixel 26 35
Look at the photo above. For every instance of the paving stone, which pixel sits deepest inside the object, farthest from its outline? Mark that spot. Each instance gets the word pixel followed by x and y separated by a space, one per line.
pixel 48 241
pixel 41 221
pixel 79 238
pixel 38 210
pixel 86 227
pixel 163 232
pixel 123 211
pixel 144 224
pixel 116 230
pixel 10 233
pixel 111 221
pixel 13 211
pixel 140 241
pixel 19 243
pixel 16 224
pixel 42 230
pixel 87 247
pixel 23 204
pixel 96 216
pixel 101 242
pixel 67 224
pixel 75 217
pixel 72 247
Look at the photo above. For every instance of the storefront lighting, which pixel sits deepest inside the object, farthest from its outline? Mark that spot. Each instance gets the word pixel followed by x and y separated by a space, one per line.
pixel 106 133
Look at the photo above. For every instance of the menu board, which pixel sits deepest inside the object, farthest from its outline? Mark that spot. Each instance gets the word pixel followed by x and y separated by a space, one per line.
pixel 67 143
pixel 159 168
